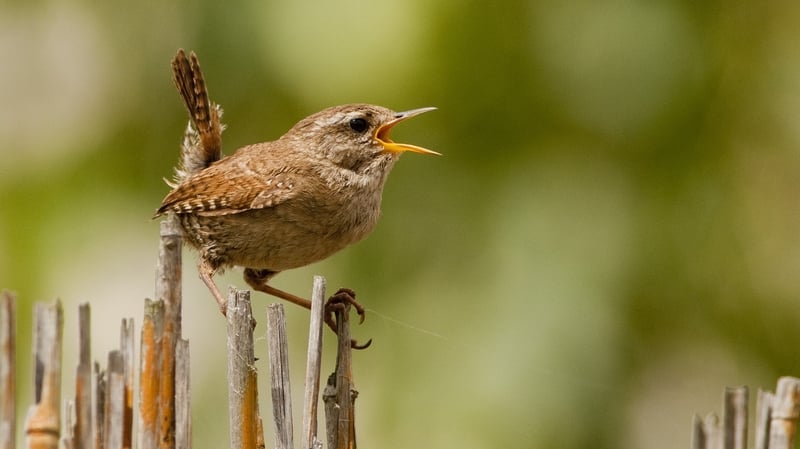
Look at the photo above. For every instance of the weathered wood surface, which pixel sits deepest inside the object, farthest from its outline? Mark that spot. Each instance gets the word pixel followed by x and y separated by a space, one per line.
pixel 183 421
pixel 785 411
pixel 279 376
pixel 8 366
pixel 243 412
pixel 168 289
pixel 126 347
pixel 309 438
pixel 339 394
pixel 149 372
pixel 79 427
pixel 763 415
pixel 43 424
pixel 115 401
pixel 775 423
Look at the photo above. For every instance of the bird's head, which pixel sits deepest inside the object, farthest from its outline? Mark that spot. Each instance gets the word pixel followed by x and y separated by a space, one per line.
pixel 355 136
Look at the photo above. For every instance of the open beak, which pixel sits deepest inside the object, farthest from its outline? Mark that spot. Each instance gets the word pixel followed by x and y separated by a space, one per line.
pixel 382 134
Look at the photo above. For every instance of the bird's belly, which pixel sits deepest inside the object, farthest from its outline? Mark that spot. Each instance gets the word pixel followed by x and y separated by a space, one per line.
pixel 285 237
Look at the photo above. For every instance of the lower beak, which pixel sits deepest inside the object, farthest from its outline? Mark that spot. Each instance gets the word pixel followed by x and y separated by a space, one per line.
pixel 382 134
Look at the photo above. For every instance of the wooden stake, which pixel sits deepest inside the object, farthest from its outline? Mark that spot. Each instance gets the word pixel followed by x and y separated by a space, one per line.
pixel 313 366
pixel 99 406
pixel 339 395
pixel 183 421
pixel 82 430
pixel 149 372
pixel 785 412
pixel 168 289
pixel 242 375
pixel 43 425
pixel 115 401
pixel 279 376
pixel 127 353
pixel 734 418
pixel 168 272
pixel 8 368
pixel 763 417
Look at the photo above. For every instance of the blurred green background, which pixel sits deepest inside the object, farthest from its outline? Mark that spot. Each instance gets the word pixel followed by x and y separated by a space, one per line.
pixel 610 238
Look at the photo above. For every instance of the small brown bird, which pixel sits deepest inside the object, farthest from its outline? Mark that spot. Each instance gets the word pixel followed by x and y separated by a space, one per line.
pixel 278 205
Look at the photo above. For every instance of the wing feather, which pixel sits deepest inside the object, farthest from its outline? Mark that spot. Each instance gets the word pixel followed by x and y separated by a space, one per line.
pixel 230 187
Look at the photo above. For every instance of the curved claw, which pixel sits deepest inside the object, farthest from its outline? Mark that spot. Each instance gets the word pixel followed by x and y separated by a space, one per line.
pixel 354 344
pixel 362 315
pixel 339 299
pixel 345 294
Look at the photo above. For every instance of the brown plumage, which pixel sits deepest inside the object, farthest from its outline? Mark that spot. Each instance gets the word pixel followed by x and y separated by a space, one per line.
pixel 203 138
pixel 278 205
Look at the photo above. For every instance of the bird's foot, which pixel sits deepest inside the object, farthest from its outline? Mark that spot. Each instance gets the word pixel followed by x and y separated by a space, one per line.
pixel 339 301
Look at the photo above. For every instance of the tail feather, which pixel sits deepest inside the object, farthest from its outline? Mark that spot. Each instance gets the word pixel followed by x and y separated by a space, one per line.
pixel 202 142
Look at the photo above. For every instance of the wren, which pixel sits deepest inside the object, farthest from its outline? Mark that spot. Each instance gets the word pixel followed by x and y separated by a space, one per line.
pixel 284 204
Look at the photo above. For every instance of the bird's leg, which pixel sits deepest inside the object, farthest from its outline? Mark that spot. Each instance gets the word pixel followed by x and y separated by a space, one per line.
pixel 206 274
pixel 258 280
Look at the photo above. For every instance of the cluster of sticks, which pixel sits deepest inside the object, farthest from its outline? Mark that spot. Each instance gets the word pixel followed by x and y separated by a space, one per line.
pixel 100 416
pixel 775 422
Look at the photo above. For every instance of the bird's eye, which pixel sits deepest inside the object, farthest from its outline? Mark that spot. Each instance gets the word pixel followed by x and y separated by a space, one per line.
pixel 358 125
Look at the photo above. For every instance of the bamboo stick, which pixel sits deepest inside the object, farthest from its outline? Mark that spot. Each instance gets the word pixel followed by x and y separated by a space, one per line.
pixel 115 401
pixel 279 376
pixel 339 395
pixel 82 431
pixel 785 412
pixel 183 422
pixel 168 289
pixel 99 407
pixel 763 416
pixel 43 424
pixel 8 386
pixel 149 372
pixel 127 352
pixel 8 367
pixel 168 272
pixel 734 418
pixel 313 366
pixel 242 375
pixel 698 433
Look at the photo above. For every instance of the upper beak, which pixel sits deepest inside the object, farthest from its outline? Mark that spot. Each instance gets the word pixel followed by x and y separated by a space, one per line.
pixel 382 134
